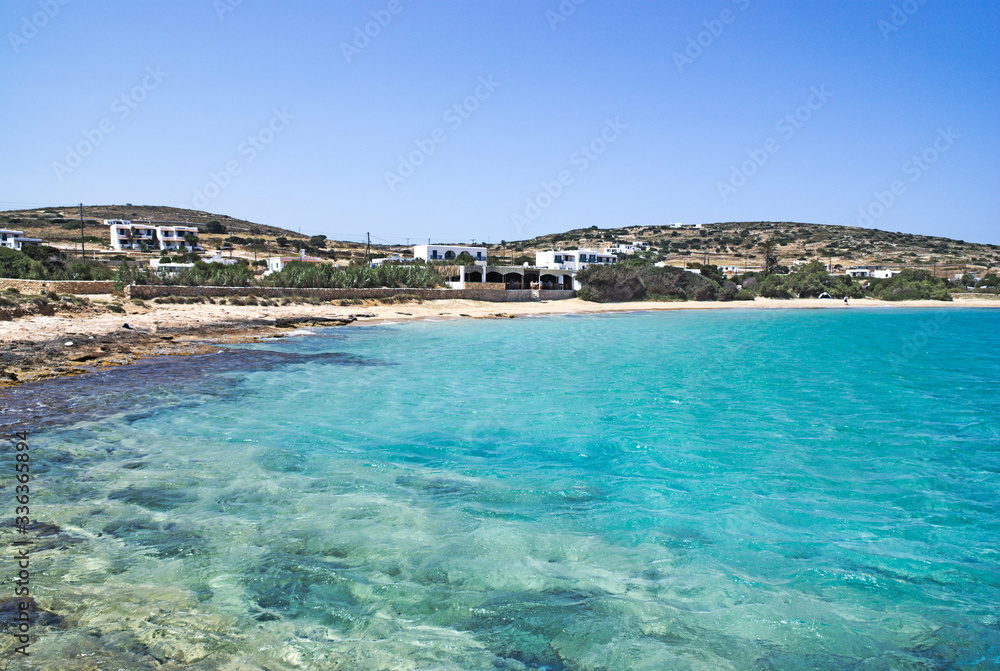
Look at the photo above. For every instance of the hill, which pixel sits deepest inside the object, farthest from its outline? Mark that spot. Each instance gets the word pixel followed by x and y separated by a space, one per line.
pixel 724 244
pixel 739 244
pixel 60 227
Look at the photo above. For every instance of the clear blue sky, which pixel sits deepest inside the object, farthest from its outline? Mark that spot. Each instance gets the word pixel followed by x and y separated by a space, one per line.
pixel 201 77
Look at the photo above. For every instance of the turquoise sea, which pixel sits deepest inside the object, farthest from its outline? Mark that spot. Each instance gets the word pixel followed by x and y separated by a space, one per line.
pixel 742 490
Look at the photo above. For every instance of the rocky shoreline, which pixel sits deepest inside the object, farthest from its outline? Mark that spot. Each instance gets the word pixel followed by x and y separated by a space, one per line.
pixel 32 360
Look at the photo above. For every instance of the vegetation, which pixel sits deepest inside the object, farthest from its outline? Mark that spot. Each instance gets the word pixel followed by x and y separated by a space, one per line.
pixel 636 280
pixel 313 275
pixel 639 281
pixel 40 262
pixel 202 274
pixel 910 285
pixel 809 281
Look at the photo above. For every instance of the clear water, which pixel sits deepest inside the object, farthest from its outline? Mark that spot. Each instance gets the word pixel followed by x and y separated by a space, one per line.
pixel 738 490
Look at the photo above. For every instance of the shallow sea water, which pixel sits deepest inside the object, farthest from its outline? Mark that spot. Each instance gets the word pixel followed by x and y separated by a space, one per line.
pixel 687 490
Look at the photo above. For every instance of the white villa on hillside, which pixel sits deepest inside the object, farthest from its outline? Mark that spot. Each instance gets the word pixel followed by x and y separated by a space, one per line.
pixel 576 259
pixel 626 247
pixel 449 253
pixel 129 235
pixel 15 239
pixel 879 272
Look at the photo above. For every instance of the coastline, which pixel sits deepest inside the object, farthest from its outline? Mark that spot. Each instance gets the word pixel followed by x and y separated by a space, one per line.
pixel 43 347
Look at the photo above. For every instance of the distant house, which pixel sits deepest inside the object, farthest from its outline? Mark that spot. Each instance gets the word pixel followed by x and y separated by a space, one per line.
pixel 392 258
pixel 129 235
pixel 276 264
pixel 168 267
pixel 224 260
pixel 880 272
pixel 733 270
pixel 15 239
pixel 449 253
pixel 576 259
pixel 625 247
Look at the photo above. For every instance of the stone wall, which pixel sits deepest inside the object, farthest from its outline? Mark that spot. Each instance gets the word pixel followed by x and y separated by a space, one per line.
pixel 555 294
pixel 58 286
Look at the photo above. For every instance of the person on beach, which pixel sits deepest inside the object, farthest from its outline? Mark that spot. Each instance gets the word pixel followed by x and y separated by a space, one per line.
pixel 845 301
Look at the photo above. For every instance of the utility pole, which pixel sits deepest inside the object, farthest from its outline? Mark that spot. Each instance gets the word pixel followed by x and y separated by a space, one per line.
pixel 83 252
pixel 368 246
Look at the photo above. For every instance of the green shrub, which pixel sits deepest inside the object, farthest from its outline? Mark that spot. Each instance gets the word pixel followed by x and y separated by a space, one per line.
pixel 325 276
pixel 636 280
pixel 910 285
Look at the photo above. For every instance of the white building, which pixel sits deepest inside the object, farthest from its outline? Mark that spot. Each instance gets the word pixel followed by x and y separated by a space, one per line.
pixel 276 264
pixel 129 235
pixel 15 239
pixel 224 260
pixel 449 253
pixel 172 237
pixel 626 247
pixel 168 267
pixel 392 258
pixel 880 272
pixel 576 259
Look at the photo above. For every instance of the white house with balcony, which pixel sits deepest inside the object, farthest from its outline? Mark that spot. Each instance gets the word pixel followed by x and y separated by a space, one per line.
pixel 15 239
pixel 449 253
pixel 172 237
pixel 133 235
pixel 575 259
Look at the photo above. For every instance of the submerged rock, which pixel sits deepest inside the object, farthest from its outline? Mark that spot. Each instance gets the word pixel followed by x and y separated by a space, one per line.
pixel 10 610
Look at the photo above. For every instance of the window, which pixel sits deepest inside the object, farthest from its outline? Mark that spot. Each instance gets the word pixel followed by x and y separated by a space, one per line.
pixel 559 258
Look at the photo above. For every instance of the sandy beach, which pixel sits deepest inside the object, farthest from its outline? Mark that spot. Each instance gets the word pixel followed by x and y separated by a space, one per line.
pixel 71 343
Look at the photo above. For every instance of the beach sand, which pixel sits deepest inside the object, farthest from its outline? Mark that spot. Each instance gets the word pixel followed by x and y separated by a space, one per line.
pixel 68 343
